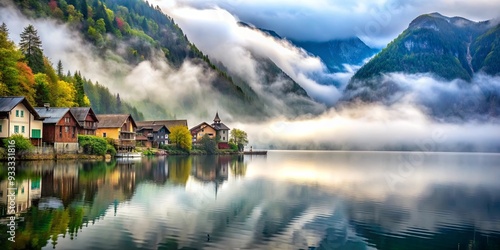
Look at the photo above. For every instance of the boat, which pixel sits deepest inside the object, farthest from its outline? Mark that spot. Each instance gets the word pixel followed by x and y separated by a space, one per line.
pixel 128 155
pixel 255 152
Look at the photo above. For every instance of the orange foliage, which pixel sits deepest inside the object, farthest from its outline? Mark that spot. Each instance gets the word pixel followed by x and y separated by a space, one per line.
pixel 26 82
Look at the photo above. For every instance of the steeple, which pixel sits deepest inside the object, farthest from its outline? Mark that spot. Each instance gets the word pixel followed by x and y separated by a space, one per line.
pixel 217 119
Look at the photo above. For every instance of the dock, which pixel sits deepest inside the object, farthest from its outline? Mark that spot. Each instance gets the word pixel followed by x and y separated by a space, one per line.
pixel 255 152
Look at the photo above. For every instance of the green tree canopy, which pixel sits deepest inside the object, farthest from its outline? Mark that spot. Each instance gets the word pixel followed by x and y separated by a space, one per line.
pixel 31 47
pixel 238 137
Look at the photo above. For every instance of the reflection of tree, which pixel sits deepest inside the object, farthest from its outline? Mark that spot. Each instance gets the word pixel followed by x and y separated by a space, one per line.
pixel 40 226
pixel 179 169
pixel 238 166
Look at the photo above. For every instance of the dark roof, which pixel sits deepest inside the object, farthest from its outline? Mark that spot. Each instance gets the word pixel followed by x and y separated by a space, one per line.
pixel 155 128
pixel 7 103
pixel 168 123
pixel 52 115
pixel 198 127
pixel 217 119
pixel 113 120
pixel 80 113
pixel 220 126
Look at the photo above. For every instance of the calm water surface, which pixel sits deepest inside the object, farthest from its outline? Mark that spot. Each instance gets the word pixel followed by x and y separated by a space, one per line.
pixel 285 200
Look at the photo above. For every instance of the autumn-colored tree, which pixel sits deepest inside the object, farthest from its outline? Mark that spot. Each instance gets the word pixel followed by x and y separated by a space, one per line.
pixel 31 47
pixel 65 95
pixel 181 137
pixel 26 82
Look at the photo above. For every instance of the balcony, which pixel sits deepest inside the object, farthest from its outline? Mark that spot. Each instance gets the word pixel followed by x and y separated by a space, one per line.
pixel 126 139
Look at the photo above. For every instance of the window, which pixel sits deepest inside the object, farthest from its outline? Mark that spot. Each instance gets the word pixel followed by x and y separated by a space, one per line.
pixel 17 113
pixel 16 129
pixel 103 134
pixel 22 129
pixel 66 119
pixel 0 128
pixel 66 129
pixel 223 138
pixel 60 131
pixel 74 131
pixel 22 113
pixel 36 133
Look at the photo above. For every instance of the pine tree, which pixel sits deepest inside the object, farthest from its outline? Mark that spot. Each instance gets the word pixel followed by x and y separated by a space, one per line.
pixel 4 29
pixel 119 104
pixel 80 92
pixel 31 47
pixel 59 69
pixel 84 9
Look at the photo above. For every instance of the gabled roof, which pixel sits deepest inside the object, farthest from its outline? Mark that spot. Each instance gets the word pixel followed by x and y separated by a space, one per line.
pixel 80 113
pixel 198 127
pixel 220 126
pixel 7 103
pixel 168 123
pixel 114 120
pixel 155 128
pixel 52 115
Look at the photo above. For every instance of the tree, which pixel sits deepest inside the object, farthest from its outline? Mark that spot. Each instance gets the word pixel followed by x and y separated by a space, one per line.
pixel 4 29
pixel 181 137
pixel 42 90
pixel 59 69
pixel 31 47
pixel 239 137
pixel 208 144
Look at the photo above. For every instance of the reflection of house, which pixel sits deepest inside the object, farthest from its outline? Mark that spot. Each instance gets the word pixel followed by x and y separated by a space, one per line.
pixel 61 182
pixel 202 129
pixel 169 124
pixel 17 116
pixel 60 128
pixel 119 127
pixel 86 119
pixel 152 135
pixel 27 191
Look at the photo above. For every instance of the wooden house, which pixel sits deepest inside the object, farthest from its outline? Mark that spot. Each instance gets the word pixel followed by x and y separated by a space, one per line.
pixel 17 116
pixel 152 135
pixel 169 124
pixel 87 120
pixel 198 131
pixel 119 127
pixel 60 128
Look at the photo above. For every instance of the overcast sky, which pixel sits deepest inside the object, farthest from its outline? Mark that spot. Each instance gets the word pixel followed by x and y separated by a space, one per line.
pixel 377 22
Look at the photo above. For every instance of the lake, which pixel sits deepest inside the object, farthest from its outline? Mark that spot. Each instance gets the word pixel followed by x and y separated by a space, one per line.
pixel 285 200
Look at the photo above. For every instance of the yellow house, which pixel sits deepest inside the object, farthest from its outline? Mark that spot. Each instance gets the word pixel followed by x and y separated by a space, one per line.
pixel 17 116
pixel 119 127
pixel 197 132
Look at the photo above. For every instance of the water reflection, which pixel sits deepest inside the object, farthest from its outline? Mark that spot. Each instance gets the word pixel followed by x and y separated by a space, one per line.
pixel 287 200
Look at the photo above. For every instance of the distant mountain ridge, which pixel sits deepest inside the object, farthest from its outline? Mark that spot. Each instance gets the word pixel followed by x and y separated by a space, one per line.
pixel 333 53
pixel 448 47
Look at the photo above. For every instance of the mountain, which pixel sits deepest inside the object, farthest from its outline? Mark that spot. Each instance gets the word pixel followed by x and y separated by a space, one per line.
pixel 134 31
pixel 333 53
pixel 449 48
pixel 458 59
pixel 336 53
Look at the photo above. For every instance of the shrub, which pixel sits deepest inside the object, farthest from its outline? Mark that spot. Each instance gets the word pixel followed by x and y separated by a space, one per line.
pixel 208 144
pixel 22 144
pixel 94 145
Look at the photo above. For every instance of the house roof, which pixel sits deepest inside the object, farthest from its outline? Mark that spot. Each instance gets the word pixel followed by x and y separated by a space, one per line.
pixel 220 126
pixel 217 119
pixel 7 103
pixel 52 115
pixel 155 128
pixel 113 120
pixel 168 123
pixel 197 128
pixel 80 113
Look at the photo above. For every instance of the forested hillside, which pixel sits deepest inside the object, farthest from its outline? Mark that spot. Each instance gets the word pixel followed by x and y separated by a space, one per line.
pixel 25 71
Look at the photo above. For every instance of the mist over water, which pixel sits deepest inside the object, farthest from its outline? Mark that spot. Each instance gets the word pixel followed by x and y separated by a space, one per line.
pixel 424 114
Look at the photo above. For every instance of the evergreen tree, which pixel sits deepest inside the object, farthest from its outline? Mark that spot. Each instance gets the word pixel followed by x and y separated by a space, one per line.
pixel 31 47
pixel 80 92
pixel 59 69
pixel 118 104
pixel 84 9
pixel 4 29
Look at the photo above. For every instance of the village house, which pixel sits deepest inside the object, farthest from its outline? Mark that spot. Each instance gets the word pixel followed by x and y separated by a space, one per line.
pixel 217 131
pixel 17 116
pixel 152 135
pixel 119 127
pixel 198 131
pixel 87 120
pixel 60 129
pixel 169 124
pixel 222 132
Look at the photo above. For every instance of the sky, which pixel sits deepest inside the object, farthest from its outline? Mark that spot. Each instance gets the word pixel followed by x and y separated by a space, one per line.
pixel 376 22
